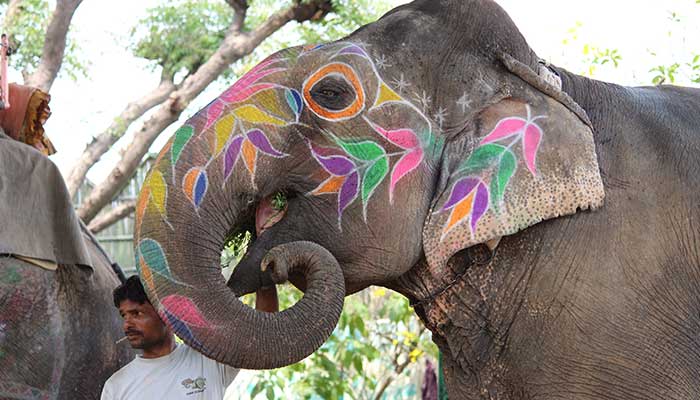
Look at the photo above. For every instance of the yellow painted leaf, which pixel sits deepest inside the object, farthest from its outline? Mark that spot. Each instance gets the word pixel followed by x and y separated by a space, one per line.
pixel 253 114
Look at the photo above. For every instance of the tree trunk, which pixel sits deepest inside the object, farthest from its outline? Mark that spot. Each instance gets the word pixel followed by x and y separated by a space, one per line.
pixel 54 45
pixel 105 140
pixel 116 214
pixel 236 44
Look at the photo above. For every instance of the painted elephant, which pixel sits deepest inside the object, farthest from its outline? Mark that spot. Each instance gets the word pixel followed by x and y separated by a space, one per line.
pixel 544 225
pixel 58 326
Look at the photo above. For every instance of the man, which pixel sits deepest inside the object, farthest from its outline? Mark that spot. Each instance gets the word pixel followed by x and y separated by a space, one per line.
pixel 166 370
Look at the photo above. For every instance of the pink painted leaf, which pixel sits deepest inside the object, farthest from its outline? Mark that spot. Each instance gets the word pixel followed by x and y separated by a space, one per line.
pixel 214 112
pixel 259 140
pixel 404 138
pixel 460 190
pixel 406 164
pixel 531 143
pixel 185 310
pixel 481 204
pixel 505 128
pixel 334 164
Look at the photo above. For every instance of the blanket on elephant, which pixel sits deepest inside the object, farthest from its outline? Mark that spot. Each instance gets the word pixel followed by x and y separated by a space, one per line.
pixel 37 219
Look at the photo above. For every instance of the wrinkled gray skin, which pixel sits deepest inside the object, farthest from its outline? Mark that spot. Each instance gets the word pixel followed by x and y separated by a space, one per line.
pixel 599 304
pixel 58 329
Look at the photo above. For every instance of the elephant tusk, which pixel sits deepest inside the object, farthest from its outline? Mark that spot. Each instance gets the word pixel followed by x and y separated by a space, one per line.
pixel 493 243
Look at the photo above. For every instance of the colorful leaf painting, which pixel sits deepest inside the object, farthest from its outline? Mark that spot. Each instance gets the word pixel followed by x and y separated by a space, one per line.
pixel 366 150
pixel 223 130
pixel 213 112
pixel 531 143
pixel 348 193
pixel 469 199
pixel 295 102
pixel 385 94
pixel 403 138
pixel 330 185
pixel 483 157
pixel 254 115
pixel 505 128
pixel 504 172
pixel 352 49
pixel 152 256
pixel 182 136
pixel 262 143
pixel 406 164
pixel 180 329
pixel 195 184
pixel 232 154
pixel 185 310
pixel 374 175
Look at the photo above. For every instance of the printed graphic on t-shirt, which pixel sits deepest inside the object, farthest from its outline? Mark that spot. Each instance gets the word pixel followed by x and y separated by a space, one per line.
pixel 197 385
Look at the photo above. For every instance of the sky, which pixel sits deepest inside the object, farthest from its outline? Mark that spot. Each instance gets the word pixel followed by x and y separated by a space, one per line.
pixel 556 29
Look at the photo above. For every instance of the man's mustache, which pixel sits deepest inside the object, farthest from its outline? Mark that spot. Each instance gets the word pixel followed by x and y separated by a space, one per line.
pixel 132 332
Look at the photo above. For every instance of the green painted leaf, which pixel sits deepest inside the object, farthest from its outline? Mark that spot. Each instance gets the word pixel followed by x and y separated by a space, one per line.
pixel 365 150
pixel 483 157
pixel 505 171
pixel 182 136
pixel 373 177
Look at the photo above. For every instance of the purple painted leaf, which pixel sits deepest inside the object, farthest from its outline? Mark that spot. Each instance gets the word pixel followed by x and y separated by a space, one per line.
pixel 531 143
pixel 505 128
pixel 460 190
pixel 259 140
pixel 353 49
pixel 348 192
pixel 232 153
pixel 336 164
pixel 481 204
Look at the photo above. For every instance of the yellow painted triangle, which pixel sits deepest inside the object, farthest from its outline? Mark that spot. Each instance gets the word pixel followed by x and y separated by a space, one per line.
pixel 386 94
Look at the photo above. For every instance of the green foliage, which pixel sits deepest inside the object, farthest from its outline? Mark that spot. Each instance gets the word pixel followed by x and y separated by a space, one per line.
pixel 27 35
pixel 378 341
pixel 181 35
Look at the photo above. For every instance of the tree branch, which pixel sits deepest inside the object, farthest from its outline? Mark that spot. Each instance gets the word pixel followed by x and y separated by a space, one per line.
pixel 240 8
pixel 118 213
pixel 54 45
pixel 104 141
pixel 234 46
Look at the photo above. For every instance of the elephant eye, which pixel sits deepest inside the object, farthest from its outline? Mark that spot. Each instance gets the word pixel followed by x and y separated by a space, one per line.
pixel 333 93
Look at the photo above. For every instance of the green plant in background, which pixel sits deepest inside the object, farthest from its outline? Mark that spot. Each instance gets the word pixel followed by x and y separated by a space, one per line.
pixel 27 29
pixel 377 351
pixel 180 36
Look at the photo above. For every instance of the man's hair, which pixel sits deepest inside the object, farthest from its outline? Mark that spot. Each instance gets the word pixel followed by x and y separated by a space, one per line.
pixel 131 289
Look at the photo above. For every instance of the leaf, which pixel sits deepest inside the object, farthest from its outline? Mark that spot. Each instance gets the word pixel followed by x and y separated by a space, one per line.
pixel 195 185
pixel 348 192
pixel 253 114
pixel 505 171
pixel 483 157
pixel 406 164
pixel 531 143
pixel 181 329
pixel 330 185
pixel 294 101
pixel 213 112
pixel 231 156
pixel 403 138
pixel 153 256
pixel 505 128
pixel 334 164
pixel 260 140
pixel 373 177
pixel 182 136
pixel 237 96
pixel 185 310
pixel 223 128
pixel 481 204
pixel 460 190
pixel 366 150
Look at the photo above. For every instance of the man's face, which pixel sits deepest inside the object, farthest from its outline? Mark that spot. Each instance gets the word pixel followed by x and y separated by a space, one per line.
pixel 142 326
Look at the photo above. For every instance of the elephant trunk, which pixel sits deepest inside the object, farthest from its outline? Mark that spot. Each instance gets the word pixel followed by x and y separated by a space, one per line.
pixel 188 204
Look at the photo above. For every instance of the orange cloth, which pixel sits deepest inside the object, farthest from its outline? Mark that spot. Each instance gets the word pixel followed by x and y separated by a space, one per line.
pixel 24 120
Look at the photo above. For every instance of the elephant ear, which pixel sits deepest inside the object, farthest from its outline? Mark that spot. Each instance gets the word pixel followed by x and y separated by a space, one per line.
pixel 528 159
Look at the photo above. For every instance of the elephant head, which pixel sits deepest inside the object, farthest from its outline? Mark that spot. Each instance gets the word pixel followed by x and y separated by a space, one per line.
pixel 400 143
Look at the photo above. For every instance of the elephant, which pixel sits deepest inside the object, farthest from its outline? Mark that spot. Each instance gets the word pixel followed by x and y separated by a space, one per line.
pixel 58 326
pixel 544 225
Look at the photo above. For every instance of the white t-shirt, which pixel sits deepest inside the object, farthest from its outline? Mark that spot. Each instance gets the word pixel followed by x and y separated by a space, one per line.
pixel 183 374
